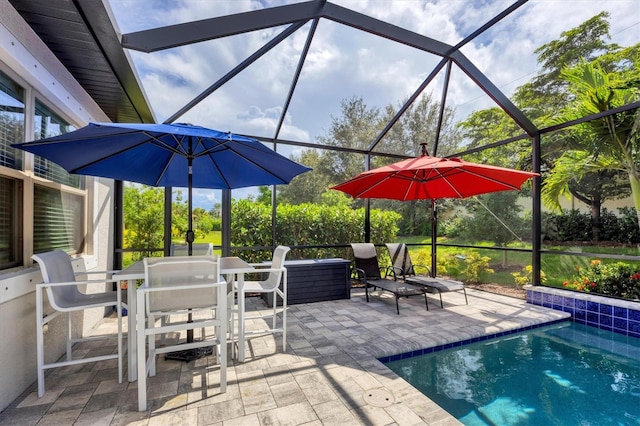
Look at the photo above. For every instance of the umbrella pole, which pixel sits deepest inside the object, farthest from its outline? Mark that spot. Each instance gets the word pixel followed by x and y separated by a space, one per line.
pixel 434 236
pixel 188 355
pixel 190 236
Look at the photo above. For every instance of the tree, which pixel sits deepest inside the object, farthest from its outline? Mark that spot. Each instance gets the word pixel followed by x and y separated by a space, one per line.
pixel 541 99
pixel 143 219
pixel 605 145
pixel 357 127
pixel 547 92
pixel 179 216
pixel 307 187
pixel 495 218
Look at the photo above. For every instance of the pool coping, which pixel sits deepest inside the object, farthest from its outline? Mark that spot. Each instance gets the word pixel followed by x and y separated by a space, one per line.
pixel 438 348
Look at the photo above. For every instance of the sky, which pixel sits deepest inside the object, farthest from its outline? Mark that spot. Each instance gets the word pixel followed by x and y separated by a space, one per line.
pixel 343 62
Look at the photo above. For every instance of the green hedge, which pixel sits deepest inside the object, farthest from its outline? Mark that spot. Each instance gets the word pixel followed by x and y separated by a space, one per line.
pixel 574 225
pixel 307 224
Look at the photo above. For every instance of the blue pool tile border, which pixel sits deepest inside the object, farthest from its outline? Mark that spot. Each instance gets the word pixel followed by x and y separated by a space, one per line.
pixel 418 352
pixel 619 316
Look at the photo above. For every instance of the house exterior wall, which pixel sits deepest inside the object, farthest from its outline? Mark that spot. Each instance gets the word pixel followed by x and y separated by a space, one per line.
pixel 22 54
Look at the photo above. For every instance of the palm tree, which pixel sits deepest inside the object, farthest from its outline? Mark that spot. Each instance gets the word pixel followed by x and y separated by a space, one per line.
pixel 605 146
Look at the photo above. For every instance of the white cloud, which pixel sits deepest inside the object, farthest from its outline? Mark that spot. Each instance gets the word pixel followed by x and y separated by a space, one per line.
pixel 344 62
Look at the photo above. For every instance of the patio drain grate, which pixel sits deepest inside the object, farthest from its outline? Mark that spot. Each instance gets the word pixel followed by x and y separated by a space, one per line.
pixel 378 398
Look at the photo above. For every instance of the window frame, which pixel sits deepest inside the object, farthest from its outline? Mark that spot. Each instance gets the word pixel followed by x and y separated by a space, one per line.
pixel 26 176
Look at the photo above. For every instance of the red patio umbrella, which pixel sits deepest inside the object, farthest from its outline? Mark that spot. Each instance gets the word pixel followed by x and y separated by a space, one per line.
pixel 427 177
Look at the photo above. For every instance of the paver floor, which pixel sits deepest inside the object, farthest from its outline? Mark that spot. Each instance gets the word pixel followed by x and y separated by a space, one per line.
pixel 329 374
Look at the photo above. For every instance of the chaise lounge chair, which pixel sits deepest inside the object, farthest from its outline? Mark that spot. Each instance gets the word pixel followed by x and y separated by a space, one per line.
pixel 403 267
pixel 367 271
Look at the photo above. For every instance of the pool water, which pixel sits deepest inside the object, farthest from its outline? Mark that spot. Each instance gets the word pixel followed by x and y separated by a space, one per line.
pixel 561 374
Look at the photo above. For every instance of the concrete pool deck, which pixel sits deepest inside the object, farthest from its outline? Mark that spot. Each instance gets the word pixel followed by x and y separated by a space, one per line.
pixel 328 375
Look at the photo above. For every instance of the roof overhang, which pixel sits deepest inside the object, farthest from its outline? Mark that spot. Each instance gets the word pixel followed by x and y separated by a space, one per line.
pixel 83 37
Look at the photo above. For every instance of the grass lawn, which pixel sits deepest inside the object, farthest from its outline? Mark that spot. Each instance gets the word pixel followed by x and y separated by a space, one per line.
pixel 556 267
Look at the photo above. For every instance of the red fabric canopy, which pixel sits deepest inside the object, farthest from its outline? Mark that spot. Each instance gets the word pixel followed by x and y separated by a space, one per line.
pixel 432 178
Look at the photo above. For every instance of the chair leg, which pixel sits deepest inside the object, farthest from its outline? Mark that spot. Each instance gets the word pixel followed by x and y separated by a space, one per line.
pixel 230 321
pixel 151 342
pixel 119 314
pixel 284 313
pixel 141 355
pixel 275 310
pixel 426 301
pixel 440 294
pixel 465 296
pixel 69 338
pixel 397 304
pixel 163 336
pixel 39 341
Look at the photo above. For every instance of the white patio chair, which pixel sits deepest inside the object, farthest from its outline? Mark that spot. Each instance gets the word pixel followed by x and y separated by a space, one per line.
pixel 61 285
pixel 274 283
pixel 181 249
pixel 177 285
pixel 197 249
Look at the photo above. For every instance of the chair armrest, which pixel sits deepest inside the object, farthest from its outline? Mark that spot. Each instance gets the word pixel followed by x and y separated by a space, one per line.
pixel 423 266
pixel 360 274
pixel 262 270
pixel 98 272
pixel 108 273
pixel 395 271
pixel 76 283
pixel 181 286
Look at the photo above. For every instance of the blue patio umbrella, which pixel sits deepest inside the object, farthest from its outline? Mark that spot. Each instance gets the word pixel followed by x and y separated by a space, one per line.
pixel 180 155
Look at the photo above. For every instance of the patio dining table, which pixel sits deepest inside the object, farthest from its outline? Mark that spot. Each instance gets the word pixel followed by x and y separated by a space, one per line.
pixel 232 266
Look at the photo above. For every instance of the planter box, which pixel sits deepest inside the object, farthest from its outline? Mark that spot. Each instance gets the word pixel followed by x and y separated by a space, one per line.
pixel 620 316
pixel 316 280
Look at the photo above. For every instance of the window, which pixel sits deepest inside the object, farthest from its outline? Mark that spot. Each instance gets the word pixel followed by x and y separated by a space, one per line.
pixel 58 220
pixel 47 124
pixel 55 216
pixel 11 121
pixel 10 222
pixel 58 214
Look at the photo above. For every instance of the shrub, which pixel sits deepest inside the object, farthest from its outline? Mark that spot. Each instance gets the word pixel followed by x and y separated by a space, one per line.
pixel 628 232
pixel 614 279
pixel 477 267
pixel 571 225
pixel 421 258
pixel 526 276
pixel 306 224
pixel 453 227
pixel 448 265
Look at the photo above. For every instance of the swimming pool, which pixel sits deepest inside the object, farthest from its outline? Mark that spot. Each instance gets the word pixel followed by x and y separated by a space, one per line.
pixel 560 374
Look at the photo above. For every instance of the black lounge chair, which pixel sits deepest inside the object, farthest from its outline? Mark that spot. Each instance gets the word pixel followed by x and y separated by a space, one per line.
pixel 368 271
pixel 402 266
pixel 401 261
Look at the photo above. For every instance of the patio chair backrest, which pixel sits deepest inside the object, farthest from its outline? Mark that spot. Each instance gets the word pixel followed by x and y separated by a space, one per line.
pixel 400 258
pixel 199 249
pixel 56 267
pixel 277 262
pixel 181 270
pixel 365 257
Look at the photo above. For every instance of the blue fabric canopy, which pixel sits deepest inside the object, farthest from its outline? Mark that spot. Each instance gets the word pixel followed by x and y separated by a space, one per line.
pixel 160 155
